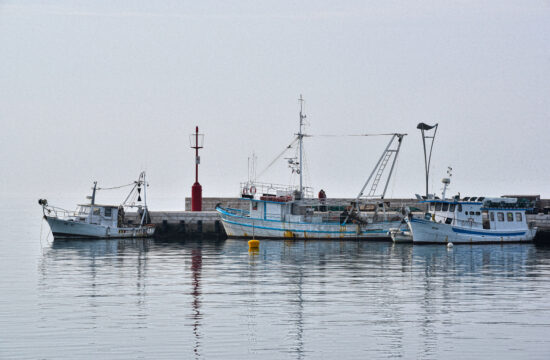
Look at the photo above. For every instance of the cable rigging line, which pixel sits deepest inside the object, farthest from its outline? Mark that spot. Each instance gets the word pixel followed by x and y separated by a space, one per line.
pixel 278 157
pixel 116 187
pixel 348 135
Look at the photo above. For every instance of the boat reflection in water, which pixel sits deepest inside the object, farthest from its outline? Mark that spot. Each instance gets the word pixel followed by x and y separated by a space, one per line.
pixel 378 299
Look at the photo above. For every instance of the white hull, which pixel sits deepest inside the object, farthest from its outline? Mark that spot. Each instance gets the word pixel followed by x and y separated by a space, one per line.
pixel 71 229
pixel 426 231
pixel 245 227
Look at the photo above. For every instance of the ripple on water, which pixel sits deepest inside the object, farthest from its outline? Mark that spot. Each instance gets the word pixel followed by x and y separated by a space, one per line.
pixel 123 299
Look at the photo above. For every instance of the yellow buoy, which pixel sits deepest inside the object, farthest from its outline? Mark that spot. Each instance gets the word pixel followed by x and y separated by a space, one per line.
pixel 253 244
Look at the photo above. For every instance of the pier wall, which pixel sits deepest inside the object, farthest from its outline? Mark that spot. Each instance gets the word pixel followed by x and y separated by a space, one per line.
pixel 196 224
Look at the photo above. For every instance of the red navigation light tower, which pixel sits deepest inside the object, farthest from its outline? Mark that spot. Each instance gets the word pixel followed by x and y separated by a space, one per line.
pixel 196 141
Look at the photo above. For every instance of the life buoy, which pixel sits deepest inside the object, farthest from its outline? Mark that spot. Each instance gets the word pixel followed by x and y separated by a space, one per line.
pixel 252 190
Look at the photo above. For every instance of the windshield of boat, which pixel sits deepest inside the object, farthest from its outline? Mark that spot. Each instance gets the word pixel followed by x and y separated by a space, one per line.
pixel 83 210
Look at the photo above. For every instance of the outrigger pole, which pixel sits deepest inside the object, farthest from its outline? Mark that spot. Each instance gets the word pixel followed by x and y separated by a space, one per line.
pixel 379 169
pixel 427 157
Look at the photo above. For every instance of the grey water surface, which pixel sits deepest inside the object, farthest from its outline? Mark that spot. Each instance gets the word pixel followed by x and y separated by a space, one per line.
pixel 148 299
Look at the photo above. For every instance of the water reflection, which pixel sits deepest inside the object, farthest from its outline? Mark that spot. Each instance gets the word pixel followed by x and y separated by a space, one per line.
pixel 295 299
pixel 196 266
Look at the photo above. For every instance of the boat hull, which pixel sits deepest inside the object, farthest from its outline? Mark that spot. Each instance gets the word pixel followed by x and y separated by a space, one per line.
pixel 429 232
pixel 66 229
pixel 246 227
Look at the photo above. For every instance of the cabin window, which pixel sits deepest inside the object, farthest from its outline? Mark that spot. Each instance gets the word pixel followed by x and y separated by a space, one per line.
pixel 492 216
pixel 459 207
pixel 519 218
pixel 254 205
pixel 445 207
pixel 108 212
pixel 478 213
pixel 510 216
pixel 452 207
pixel 96 211
pixel 500 216
pixel 438 207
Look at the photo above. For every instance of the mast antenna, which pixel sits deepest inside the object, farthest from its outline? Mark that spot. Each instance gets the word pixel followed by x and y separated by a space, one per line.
pixel 93 193
pixel 300 138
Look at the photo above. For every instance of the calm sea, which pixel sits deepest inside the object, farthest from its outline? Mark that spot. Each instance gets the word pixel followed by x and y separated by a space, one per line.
pixel 145 299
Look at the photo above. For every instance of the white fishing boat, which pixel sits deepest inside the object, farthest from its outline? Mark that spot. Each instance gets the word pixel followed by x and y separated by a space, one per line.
pixel 472 220
pixel 102 221
pixel 277 211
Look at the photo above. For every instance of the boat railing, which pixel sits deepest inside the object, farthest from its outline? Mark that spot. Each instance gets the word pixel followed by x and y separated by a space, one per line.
pixel 238 212
pixel 59 213
pixel 250 189
pixel 362 204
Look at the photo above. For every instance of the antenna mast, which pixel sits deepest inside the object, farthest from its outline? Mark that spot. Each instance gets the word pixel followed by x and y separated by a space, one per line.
pixel 300 137
pixel 93 193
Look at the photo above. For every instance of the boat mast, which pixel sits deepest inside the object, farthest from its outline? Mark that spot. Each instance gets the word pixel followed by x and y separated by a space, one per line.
pixel 93 193
pixel 300 137
pixel 145 213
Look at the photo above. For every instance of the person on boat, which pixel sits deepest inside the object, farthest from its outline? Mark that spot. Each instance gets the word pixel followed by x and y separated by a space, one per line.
pixel 343 216
pixel 322 197
pixel 120 219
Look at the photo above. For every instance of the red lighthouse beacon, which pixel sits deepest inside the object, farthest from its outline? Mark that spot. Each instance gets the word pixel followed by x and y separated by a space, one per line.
pixel 196 140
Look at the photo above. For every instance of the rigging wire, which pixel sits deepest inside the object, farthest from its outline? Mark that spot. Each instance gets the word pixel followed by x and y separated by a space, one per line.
pixel 291 175
pixel 41 224
pixel 305 169
pixel 347 135
pixel 116 187
pixel 394 177
pixel 318 135
pixel 278 157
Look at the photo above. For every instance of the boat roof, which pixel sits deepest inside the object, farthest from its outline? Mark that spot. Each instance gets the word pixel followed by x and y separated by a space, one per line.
pixel 99 205
pixel 472 200
pixel 452 202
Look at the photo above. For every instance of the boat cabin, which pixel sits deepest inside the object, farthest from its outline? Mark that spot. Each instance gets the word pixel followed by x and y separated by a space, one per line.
pixel 269 209
pixel 479 213
pixel 106 215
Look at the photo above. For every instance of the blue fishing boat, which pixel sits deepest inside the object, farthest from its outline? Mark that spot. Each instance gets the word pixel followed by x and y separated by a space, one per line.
pixel 279 211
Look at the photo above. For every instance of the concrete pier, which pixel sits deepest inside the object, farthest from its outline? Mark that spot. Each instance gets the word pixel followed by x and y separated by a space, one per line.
pixel 182 224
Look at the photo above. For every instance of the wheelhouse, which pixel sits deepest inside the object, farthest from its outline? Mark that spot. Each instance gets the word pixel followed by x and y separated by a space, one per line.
pixel 106 215
pixel 479 213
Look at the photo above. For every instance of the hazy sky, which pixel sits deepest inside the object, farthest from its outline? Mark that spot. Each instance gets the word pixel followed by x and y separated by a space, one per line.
pixel 99 90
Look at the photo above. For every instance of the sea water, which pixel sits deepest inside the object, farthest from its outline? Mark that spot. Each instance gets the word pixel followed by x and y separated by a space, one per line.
pixel 149 299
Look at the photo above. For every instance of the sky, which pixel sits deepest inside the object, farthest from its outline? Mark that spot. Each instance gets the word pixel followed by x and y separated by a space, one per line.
pixel 100 90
